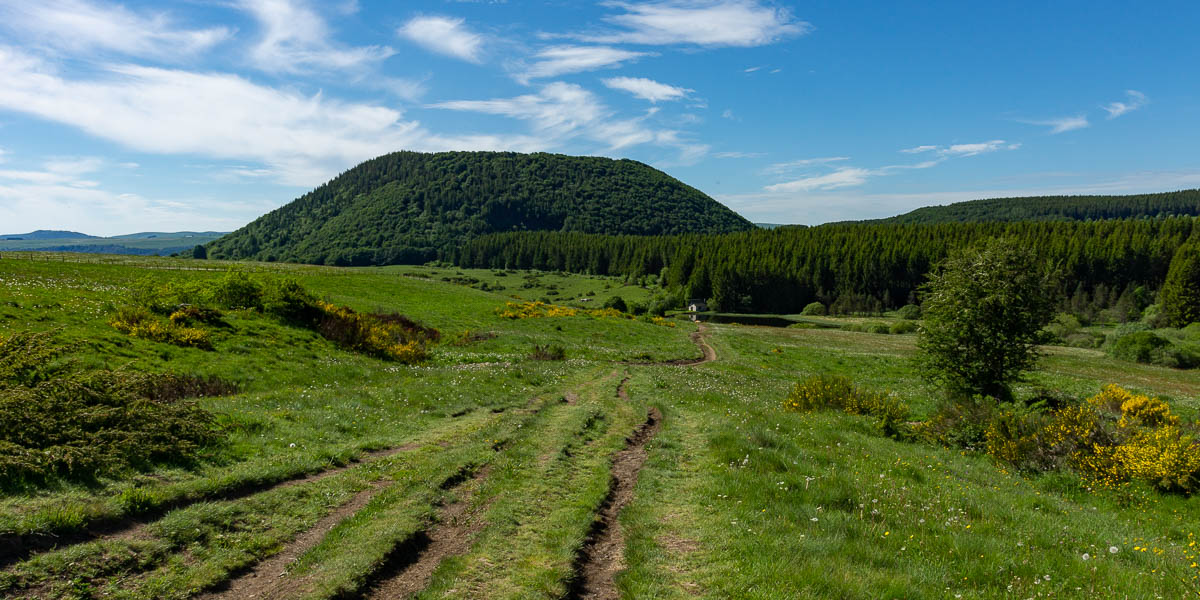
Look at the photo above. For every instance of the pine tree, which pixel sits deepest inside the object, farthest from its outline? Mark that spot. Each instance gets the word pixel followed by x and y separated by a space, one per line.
pixel 1180 294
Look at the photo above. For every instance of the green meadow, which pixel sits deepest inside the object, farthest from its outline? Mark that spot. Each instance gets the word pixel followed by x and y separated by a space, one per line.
pixel 486 470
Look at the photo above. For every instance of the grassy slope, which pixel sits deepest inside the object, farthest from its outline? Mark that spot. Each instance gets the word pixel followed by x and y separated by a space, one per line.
pixel 724 507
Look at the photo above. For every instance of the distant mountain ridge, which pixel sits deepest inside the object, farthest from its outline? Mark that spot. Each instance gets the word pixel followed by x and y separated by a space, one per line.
pixel 144 243
pixel 1056 208
pixel 412 207
pixel 46 234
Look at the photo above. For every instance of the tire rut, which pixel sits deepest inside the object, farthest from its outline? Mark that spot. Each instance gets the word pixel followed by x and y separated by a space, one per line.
pixel 410 567
pixel 16 548
pixel 603 553
pixel 266 578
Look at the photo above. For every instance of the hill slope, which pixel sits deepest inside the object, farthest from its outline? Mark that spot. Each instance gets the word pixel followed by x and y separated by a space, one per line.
pixel 1056 208
pixel 409 207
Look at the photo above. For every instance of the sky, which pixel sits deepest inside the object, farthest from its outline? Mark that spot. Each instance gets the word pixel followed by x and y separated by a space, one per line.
pixel 117 117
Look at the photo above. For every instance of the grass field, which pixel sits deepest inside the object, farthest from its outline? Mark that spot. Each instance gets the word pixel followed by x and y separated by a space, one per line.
pixel 484 473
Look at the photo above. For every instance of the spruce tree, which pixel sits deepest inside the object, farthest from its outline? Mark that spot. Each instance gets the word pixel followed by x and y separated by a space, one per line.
pixel 1180 294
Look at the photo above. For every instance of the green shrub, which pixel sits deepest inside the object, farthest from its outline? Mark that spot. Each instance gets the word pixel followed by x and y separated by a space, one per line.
pixel 959 422
pixel 838 392
pixel 1136 346
pixel 27 358
pixel 814 309
pixel 1063 326
pixel 909 312
pixel 541 352
pixel 289 301
pixel 80 426
pixel 902 327
pixel 880 328
pixel 236 290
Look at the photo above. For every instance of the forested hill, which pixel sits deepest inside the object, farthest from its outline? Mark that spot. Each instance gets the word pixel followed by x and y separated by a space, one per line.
pixel 1056 208
pixel 406 207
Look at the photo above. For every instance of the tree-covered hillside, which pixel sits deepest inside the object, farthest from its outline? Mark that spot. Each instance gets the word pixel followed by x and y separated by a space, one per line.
pixel 407 207
pixel 1057 208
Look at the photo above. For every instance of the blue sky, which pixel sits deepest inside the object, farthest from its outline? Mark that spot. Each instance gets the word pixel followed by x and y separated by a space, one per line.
pixel 203 115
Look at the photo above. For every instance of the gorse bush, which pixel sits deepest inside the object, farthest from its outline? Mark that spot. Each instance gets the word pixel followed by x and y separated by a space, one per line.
pixel 141 323
pixel 1112 438
pixel 539 309
pixel 837 392
pixel 173 313
pixel 370 335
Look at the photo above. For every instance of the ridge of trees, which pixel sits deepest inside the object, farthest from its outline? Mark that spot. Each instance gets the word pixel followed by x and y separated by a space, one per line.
pixel 1057 208
pixel 411 207
pixel 848 267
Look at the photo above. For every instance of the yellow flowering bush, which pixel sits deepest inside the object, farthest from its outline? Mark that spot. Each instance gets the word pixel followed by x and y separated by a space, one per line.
pixel 369 334
pixel 142 324
pixel 834 391
pixel 537 310
pixel 1114 437
pixel 1152 412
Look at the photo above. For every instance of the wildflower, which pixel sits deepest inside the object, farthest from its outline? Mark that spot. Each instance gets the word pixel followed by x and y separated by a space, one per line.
pixel 1086 556
pixel 1113 549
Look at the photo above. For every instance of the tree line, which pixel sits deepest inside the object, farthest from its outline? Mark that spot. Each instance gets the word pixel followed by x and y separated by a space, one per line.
pixel 849 267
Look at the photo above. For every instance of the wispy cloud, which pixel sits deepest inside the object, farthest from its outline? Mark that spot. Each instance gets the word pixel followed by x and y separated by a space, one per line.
pixel 850 176
pixel 739 154
pixel 710 23
pixel 840 178
pixel 964 149
pixel 792 165
pixel 296 39
pixel 560 112
pixel 444 35
pixel 1060 124
pixel 560 60
pixel 1134 101
pixel 80 26
pixel 302 139
pixel 647 89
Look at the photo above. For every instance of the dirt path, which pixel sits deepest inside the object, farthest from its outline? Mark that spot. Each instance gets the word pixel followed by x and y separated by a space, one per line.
pixel 603 553
pixel 409 570
pixel 18 548
pixel 266 579
pixel 700 338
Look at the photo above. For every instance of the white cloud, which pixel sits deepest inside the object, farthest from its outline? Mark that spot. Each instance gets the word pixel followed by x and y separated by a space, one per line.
pixel 1135 100
pixel 728 114
pixel 848 176
pixel 816 207
pixel 560 60
pixel 1061 124
pixel 751 69
pixel 964 149
pixel 560 112
pixel 80 26
pixel 647 89
pixel 739 154
pixel 302 139
pixel 444 35
pixel 840 178
pixel 792 165
pixel 296 39
pixel 711 23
